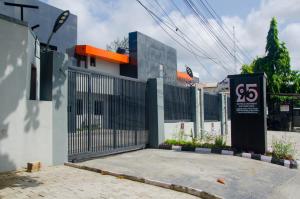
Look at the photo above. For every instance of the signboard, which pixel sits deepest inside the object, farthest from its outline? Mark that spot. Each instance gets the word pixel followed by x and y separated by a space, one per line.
pixel 248 112
pixel 284 108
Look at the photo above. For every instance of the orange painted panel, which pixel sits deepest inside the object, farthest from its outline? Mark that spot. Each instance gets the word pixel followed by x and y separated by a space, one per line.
pixel 105 55
pixel 183 76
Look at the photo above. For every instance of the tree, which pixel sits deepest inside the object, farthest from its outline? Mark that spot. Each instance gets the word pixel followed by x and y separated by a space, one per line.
pixel 114 45
pixel 276 65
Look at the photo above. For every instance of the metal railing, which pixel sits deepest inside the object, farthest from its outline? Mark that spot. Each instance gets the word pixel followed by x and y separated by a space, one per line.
pixel 177 103
pixel 211 107
pixel 106 114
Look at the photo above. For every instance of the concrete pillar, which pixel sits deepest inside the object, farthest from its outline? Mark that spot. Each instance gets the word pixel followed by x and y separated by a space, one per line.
pixel 223 113
pixel 196 110
pixel 55 87
pixel 201 109
pixel 155 111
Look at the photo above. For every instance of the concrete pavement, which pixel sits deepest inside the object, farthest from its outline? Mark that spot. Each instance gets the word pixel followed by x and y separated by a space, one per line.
pixel 244 178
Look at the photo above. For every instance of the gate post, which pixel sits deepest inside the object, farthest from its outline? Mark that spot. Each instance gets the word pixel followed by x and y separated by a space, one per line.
pixel 201 109
pixel 223 113
pixel 155 111
pixel 196 110
pixel 55 86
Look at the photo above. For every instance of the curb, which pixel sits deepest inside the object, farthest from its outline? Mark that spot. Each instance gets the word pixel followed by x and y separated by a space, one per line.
pixel 292 164
pixel 165 185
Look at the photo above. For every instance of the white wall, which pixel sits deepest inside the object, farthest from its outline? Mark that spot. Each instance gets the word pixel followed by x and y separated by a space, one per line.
pixel 173 129
pixel 214 127
pixel 105 67
pixel 25 125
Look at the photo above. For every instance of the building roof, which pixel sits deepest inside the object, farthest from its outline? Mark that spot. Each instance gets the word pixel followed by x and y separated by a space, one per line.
pixel 87 50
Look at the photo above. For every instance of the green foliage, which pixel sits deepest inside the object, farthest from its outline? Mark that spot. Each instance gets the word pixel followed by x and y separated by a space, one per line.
pixel 276 65
pixel 208 141
pixel 114 45
pixel 220 142
pixel 247 69
pixel 283 148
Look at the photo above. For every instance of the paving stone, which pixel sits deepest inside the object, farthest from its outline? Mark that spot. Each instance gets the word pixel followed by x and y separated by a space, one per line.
pixel 66 182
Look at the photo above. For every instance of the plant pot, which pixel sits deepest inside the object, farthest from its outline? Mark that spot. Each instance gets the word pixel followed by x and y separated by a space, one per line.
pixel 187 148
pixel 202 150
pixel 227 152
pixel 176 148
pixel 266 158
pixel 165 146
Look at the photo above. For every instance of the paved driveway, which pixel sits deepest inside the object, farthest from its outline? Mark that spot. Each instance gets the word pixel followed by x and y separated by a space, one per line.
pixel 244 178
pixel 64 182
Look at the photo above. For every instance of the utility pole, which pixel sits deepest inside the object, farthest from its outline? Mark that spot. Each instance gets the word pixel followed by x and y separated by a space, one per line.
pixel 234 48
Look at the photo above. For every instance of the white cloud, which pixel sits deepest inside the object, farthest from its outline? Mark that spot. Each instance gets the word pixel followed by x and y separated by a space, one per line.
pixel 100 22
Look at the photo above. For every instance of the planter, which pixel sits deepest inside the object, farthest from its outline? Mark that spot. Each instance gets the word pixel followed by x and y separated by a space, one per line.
pixel 246 155
pixel 176 148
pixel 266 158
pixel 165 146
pixel 187 148
pixel 216 150
pixel 203 150
pixel 227 152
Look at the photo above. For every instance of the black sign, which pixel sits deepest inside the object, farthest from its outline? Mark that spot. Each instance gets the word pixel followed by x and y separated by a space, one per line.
pixel 248 112
pixel 189 71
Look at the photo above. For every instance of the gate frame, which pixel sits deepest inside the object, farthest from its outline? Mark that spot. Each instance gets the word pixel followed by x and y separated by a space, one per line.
pixel 93 154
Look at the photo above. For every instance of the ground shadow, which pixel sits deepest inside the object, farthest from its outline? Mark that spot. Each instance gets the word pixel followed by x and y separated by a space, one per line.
pixel 20 180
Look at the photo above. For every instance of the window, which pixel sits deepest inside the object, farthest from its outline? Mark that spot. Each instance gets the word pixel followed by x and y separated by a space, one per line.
pixel 33 83
pixel 93 62
pixel 98 108
pixel 79 107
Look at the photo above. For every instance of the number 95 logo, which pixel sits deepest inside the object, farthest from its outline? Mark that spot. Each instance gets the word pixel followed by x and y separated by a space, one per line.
pixel 246 92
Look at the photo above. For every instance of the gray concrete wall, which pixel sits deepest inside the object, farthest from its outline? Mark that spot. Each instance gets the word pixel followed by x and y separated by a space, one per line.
pixel 60 107
pixel 25 125
pixel 45 16
pixel 155 111
pixel 149 55
pixel 30 130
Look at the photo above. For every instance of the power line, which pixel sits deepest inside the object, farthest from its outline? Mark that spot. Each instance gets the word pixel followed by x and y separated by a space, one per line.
pixel 220 22
pixel 199 36
pixel 189 41
pixel 205 23
pixel 157 20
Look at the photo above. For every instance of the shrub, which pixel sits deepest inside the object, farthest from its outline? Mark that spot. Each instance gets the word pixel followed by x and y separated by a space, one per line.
pixel 283 148
pixel 220 142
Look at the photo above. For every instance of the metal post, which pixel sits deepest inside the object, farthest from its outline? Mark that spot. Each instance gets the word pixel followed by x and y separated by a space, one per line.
pixel 89 112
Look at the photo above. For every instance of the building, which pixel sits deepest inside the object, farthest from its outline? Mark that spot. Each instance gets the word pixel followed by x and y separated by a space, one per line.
pixel 103 103
pixel 28 126
pixel 44 16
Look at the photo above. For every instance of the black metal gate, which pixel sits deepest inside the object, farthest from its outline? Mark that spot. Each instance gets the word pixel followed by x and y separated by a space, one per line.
pixel 106 114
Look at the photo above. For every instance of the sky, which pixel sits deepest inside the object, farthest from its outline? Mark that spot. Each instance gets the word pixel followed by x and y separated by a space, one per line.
pixel 102 21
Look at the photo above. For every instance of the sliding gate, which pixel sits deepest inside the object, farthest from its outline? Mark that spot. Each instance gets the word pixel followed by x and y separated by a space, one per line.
pixel 106 114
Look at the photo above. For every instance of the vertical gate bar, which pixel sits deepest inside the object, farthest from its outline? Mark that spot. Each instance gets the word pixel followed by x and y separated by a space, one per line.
pixel 124 116
pixel 75 111
pixel 107 112
pixel 114 111
pixel 104 113
pixel 89 110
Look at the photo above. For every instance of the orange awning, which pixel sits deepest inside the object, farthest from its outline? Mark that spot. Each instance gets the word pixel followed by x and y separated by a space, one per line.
pixel 105 55
pixel 183 76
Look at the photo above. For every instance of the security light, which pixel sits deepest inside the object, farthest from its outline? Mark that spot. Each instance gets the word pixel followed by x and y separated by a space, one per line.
pixel 61 19
pixel 189 71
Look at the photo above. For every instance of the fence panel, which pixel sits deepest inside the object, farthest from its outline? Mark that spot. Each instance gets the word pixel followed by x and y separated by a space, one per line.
pixel 106 114
pixel 211 107
pixel 177 103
